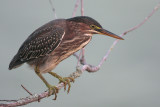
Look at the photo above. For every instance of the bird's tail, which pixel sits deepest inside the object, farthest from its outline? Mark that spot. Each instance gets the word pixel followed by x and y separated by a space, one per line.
pixel 15 62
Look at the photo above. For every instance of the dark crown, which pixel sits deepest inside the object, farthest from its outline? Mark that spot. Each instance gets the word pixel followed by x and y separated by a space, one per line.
pixel 85 19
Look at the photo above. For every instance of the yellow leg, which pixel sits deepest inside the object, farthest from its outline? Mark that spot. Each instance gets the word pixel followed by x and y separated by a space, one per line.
pixel 52 89
pixel 65 80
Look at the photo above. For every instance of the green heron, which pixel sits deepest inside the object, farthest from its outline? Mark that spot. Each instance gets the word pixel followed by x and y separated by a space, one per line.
pixel 50 44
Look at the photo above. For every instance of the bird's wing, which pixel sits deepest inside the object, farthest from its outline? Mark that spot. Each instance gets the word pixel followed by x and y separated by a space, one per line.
pixel 39 43
pixel 42 45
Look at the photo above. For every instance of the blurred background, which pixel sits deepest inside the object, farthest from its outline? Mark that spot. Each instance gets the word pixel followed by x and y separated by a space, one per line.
pixel 129 78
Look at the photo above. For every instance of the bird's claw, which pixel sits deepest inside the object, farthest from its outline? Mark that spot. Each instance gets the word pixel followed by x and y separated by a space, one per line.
pixel 66 81
pixel 52 90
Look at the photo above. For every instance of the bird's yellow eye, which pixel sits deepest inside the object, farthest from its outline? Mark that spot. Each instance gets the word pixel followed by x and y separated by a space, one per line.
pixel 94 27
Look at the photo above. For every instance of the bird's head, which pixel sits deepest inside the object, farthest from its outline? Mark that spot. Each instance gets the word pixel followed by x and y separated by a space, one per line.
pixel 90 26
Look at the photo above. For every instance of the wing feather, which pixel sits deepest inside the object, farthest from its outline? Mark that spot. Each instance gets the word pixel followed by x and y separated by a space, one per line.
pixel 39 43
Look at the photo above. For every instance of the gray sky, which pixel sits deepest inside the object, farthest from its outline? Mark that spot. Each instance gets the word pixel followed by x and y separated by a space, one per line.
pixel 130 76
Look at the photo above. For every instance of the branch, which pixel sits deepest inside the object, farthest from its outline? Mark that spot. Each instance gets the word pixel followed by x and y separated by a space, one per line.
pixel 38 97
pixel 131 29
pixel 91 68
pixel 78 72
pixel 53 9
pixel 26 90
pixel 75 8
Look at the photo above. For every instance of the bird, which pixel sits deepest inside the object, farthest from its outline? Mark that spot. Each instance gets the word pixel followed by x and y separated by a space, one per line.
pixel 55 41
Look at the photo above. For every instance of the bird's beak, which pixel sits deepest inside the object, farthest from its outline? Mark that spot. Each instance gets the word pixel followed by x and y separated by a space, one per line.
pixel 108 33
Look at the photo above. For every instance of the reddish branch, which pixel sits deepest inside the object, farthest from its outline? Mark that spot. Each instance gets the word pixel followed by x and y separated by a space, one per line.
pixel 26 90
pixel 79 71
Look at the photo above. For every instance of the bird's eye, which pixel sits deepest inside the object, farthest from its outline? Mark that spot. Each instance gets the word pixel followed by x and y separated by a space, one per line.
pixel 94 27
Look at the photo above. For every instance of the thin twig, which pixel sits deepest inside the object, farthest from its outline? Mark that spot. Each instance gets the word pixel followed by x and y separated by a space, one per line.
pixel 131 29
pixel 146 19
pixel 26 90
pixel 53 9
pixel 75 8
pixel 82 8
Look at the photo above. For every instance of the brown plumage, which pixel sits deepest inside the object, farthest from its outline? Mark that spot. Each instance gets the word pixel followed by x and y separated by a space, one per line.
pixel 50 44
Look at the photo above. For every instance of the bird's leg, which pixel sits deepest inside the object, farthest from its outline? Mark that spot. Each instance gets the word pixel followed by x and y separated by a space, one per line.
pixel 65 80
pixel 52 89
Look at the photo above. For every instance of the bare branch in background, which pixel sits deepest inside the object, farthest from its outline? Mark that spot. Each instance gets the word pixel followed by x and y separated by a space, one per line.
pixel 75 8
pixel 131 29
pixel 53 9
pixel 82 8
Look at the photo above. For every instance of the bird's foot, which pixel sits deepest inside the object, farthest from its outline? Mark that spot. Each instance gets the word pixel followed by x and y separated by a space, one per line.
pixel 66 81
pixel 52 90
